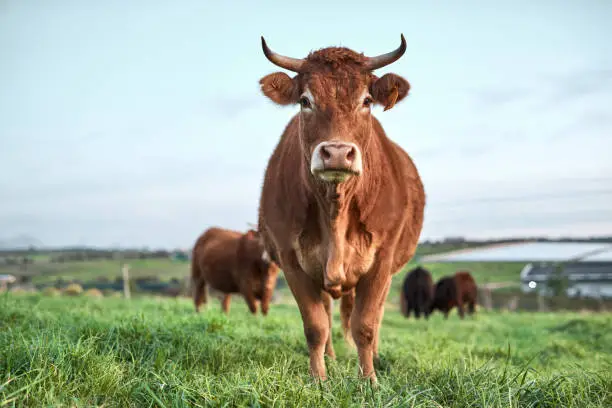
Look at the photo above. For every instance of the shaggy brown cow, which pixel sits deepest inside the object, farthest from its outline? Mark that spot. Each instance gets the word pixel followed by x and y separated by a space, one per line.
pixel 456 290
pixel 341 207
pixel 417 293
pixel 232 262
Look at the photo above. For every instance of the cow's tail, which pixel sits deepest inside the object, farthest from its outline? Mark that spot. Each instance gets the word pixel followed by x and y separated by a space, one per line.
pixel 197 283
pixel 194 269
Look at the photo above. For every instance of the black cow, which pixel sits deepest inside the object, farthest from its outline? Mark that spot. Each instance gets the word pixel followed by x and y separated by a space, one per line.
pixel 417 293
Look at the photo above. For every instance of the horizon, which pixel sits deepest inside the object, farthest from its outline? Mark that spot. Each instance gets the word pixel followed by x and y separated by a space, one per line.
pixel 41 247
pixel 128 136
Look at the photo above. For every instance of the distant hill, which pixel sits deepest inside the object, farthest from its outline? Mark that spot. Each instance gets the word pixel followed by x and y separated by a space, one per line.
pixel 23 241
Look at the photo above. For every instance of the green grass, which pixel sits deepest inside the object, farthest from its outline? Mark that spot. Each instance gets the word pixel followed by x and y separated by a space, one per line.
pixel 148 352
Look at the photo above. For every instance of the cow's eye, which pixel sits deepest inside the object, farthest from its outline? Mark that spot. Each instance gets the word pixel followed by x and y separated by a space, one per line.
pixel 367 102
pixel 304 102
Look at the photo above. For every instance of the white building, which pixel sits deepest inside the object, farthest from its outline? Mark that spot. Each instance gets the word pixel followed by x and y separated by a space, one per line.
pixel 586 268
pixel 589 277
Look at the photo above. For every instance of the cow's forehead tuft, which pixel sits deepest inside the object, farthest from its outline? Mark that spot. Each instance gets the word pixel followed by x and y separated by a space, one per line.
pixel 336 56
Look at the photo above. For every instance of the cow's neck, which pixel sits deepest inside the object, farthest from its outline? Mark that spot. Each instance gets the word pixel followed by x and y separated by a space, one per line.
pixel 334 206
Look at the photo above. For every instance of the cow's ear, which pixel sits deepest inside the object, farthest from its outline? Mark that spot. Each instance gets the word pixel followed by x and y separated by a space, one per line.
pixel 281 88
pixel 389 90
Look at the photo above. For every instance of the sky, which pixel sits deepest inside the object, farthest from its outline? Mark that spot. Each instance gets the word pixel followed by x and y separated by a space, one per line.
pixel 141 123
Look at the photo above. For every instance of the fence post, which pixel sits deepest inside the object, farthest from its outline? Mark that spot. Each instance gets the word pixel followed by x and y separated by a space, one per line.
pixel 125 269
pixel 541 303
pixel 487 298
pixel 512 303
pixel 600 301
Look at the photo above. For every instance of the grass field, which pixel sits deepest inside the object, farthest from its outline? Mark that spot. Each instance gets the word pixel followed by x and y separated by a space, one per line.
pixel 42 272
pixel 158 352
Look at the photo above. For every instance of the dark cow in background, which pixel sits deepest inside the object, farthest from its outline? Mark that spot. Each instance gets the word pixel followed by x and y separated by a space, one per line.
pixel 232 262
pixel 456 290
pixel 341 207
pixel 417 293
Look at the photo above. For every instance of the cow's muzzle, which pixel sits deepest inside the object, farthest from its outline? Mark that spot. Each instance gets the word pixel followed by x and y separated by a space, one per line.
pixel 336 161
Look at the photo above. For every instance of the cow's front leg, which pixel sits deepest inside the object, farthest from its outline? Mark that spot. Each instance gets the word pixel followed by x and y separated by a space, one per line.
pixel 309 298
pixel 371 293
pixel 250 299
pixel 347 302
pixel 460 305
pixel 266 297
pixel 329 308
pixel 380 319
pixel 225 303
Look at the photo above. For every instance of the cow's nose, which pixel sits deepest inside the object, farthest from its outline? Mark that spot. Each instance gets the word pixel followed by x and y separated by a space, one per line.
pixel 336 161
pixel 338 156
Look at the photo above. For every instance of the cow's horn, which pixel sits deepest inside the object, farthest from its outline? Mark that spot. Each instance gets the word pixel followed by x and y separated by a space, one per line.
pixel 292 64
pixel 380 61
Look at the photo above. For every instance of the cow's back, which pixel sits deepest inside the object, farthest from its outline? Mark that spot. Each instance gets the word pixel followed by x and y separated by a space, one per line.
pixel 445 294
pixel 417 290
pixel 214 255
pixel 418 280
pixel 466 286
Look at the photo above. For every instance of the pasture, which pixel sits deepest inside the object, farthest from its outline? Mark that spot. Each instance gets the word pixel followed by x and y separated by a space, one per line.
pixel 158 352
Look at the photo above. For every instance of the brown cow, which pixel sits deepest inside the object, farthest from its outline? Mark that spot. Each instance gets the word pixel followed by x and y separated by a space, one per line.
pixel 456 290
pixel 341 207
pixel 417 293
pixel 232 262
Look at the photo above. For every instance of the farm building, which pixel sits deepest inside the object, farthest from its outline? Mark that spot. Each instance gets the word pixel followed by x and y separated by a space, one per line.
pixel 579 269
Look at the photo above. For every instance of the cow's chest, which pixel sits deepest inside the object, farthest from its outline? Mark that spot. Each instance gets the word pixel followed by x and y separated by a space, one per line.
pixel 313 254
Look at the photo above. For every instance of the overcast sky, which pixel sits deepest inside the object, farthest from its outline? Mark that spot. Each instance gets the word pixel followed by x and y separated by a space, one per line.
pixel 142 123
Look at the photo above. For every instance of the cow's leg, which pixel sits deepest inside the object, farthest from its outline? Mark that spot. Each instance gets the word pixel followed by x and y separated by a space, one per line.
pixel 460 309
pixel 251 302
pixel 249 297
pixel 380 319
pixel 225 303
pixel 266 297
pixel 403 304
pixel 347 302
pixel 314 317
pixel 371 293
pixel 199 293
pixel 265 305
pixel 417 311
pixel 471 307
pixel 446 313
pixel 329 308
